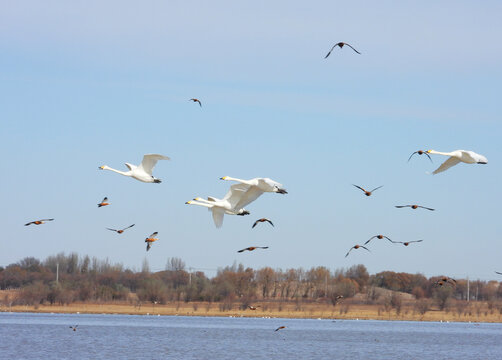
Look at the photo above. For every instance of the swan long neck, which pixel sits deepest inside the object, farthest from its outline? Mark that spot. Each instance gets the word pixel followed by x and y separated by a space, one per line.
pixel 439 152
pixel 200 204
pixel 228 178
pixel 125 173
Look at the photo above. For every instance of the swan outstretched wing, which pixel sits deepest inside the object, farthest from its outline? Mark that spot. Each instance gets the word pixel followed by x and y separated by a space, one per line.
pixel 149 162
pixel 248 197
pixel 235 194
pixel 218 214
pixel 452 161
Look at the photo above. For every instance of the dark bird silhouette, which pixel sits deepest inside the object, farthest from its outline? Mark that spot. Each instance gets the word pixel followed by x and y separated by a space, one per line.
pixel 406 243
pixel 251 248
pixel 262 220
pixel 445 280
pixel 420 152
pixel 121 230
pixel 366 192
pixel 378 237
pixel 414 206
pixel 341 45
pixel 38 222
pixel 279 328
pixel 196 100
pixel 496 272
pixel 74 328
pixel 104 202
pixel 356 247
pixel 149 240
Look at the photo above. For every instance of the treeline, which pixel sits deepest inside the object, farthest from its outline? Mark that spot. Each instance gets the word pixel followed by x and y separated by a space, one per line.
pixel 63 279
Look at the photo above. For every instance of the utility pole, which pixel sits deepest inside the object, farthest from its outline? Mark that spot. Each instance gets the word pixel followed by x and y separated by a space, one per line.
pixel 468 289
pixel 57 273
pixel 190 277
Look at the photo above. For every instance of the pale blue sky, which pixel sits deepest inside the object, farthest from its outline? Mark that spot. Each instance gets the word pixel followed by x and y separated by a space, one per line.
pixel 89 83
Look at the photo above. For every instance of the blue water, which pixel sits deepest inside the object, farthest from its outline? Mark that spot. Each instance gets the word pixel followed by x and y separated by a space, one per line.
pixel 48 336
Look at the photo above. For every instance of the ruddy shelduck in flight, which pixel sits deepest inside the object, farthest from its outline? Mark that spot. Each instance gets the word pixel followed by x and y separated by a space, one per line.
pixel 356 247
pixel 406 243
pixel 379 236
pixel 366 192
pixel 260 221
pixel 149 240
pixel 104 202
pixel 414 207
pixel 196 100
pixel 251 248
pixel 121 230
pixel 38 222
pixel 341 45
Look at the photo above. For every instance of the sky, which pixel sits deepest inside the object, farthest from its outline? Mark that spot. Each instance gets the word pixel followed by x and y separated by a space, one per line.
pixel 89 83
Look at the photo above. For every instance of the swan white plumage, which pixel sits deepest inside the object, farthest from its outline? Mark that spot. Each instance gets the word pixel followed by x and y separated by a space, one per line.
pixel 257 186
pixel 466 156
pixel 143 172
pixel 227 205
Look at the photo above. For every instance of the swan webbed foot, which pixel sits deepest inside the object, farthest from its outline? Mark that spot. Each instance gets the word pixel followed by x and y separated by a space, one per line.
pixel 157 181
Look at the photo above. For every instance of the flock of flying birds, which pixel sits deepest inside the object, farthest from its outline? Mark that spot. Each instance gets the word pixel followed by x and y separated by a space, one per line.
pixel 244 192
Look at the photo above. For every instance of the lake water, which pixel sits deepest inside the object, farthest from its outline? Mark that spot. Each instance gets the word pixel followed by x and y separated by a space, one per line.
pixel 48 336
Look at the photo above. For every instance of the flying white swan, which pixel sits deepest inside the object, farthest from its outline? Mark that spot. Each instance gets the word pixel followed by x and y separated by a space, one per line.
pixel 469 157
pixel 220 207
pixel 257 186
pixel 143 172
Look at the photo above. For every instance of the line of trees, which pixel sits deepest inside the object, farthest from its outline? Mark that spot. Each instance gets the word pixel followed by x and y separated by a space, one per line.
pixel 85 279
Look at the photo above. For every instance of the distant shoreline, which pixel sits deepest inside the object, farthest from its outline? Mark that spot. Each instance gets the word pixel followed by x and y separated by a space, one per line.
pixel 310 311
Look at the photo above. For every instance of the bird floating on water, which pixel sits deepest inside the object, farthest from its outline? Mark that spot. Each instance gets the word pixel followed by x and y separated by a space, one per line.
pixel 414 206
pixel 196 100
pixel 121 230
pixel 457 156
pixel 366 192
pixel 149 240
pixel 143 172
pixel 356 247
pixel 379 236
pixel 104 202
pixel 251 248
pixel 341 45
pixel 38 222
pixel 260 221
pixel 74 328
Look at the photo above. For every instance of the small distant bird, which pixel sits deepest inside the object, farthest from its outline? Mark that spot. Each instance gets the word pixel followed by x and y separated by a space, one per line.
pixel 414 207
pixel 378 237
pixel 121 230
pixel 338 297
pixel 74 328
pixel 261 220
pixel 366 192
pixel 104 202
pixel 496 272
pixel 341 45
pixel 149 240
pixel 406 243
pixel 445 280
pixel 253 307
pixel 196 100
pixel 279 328
pixel 356 247
pixel 466 156
pixel 420 152
pixel 251 248
pixel 38 222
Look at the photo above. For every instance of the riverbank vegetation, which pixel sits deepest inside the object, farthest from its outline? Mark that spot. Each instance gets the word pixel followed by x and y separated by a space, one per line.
pixel 71 283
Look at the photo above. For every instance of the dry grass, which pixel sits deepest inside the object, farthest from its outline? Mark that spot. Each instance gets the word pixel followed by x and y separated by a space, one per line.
pixel 477 311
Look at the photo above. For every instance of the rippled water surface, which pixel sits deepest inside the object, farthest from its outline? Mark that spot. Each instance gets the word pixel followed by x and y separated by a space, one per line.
pixel 48 336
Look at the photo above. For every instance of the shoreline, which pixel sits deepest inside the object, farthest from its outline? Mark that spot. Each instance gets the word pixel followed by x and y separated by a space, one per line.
pixel 310 311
